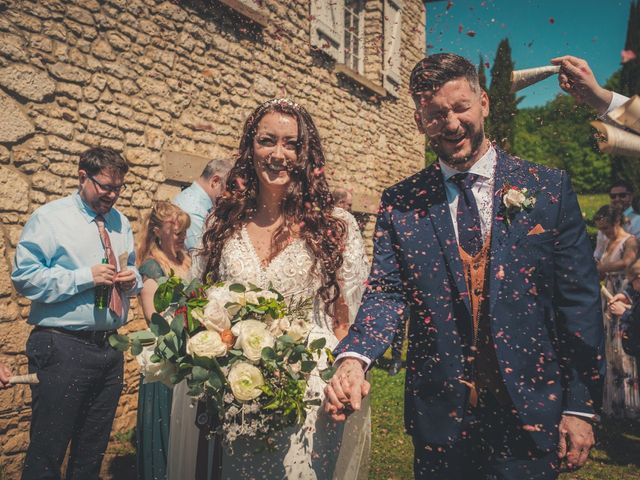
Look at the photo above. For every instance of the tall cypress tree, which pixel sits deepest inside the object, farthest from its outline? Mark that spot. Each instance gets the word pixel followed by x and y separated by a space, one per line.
pixel 503 105
pixel 482 75
pixel 630 76
pixel 624 167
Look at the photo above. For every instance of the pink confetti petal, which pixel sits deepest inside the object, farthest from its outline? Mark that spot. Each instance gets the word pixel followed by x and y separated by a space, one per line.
pixel 628 55
pixel 471 33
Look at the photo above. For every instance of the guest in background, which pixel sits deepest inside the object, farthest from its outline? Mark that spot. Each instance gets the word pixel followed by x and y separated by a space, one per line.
pixel 621 397
pixel 73 251
pixel 198 199
pixel 627 306
pixel 5 375
pixel 161 249
pixel 621 195
pixel 343 198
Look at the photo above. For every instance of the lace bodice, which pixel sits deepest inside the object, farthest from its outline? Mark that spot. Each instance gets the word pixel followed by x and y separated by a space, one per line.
pixel 292 271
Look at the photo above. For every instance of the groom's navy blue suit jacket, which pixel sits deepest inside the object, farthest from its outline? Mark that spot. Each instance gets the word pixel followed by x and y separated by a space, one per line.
pixel 544 303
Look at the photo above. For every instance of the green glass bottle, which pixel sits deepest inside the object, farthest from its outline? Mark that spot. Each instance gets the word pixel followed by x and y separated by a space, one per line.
pixel 102 292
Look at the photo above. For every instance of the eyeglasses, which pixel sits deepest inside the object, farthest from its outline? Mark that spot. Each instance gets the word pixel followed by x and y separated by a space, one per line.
pixel 613 196
pixel 107 188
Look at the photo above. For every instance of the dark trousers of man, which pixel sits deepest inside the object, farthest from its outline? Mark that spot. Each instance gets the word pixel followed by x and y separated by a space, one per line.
pixel 75 401
pixel 492 447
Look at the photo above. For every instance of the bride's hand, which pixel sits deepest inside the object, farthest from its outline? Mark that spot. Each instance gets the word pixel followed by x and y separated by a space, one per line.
pixel 343 394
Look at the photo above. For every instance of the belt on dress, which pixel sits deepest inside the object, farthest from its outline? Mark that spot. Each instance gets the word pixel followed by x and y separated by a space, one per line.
pixel 94 336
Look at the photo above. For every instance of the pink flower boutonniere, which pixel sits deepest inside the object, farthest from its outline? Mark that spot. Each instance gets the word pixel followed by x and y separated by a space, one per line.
pixel 516 199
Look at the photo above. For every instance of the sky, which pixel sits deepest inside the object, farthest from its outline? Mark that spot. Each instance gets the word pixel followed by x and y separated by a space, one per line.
pixel 538 30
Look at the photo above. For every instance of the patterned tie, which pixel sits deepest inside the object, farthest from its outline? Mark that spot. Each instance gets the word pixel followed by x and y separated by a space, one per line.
pixel 469 232
pixel 115 302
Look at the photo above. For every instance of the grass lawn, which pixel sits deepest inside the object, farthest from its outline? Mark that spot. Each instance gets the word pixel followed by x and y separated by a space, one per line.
pixel 617 456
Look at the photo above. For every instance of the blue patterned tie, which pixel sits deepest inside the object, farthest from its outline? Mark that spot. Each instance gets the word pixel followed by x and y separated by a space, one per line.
pixel 468 218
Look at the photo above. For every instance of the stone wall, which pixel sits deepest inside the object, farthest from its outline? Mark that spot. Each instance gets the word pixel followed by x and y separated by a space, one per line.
pixel 146 77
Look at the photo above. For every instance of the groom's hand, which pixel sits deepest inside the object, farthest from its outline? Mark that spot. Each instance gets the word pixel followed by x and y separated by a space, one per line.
pixel 576 440
pixel 344 392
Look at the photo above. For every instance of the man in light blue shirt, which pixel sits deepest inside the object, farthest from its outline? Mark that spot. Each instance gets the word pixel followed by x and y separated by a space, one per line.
pixel 58 266
pixel 198 199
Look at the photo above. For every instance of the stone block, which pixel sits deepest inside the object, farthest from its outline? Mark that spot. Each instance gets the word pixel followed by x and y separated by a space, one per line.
pixel 80 15
pixel 4 155
pixel 41 42
pixel 69 73
pixel 6 288
pixel 47 182
pixel 142 157
pixel 69 89
pixel 14 123
pixel 26 81
pixel 10 312
pixel 102 49
pixel 13 47
pixel 118 41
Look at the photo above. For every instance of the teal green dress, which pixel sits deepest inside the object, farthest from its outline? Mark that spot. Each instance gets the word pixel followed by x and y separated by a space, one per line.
pixel 154 411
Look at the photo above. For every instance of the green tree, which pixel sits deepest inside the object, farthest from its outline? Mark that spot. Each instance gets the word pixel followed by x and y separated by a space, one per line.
pixel 503 106
pixel 482 75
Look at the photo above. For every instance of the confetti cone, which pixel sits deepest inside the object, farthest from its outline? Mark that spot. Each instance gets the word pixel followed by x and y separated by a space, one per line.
pixel 628 114
pixel 30 379
pixel 523 78
pixel 617 141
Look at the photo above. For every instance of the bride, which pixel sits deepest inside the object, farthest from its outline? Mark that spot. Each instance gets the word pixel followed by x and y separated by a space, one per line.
pixel 276 224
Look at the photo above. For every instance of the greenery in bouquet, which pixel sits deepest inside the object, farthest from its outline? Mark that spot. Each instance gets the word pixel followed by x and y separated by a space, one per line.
pixel 241 349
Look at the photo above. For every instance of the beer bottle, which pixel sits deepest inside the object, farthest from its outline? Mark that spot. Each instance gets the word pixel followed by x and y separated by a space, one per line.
pixel 102 292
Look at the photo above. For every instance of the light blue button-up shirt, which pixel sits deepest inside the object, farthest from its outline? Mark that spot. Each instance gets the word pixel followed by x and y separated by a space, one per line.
pixel 195 201
pixel 52 267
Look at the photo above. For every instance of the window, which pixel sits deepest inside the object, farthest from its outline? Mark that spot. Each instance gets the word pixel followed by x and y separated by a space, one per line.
pixel 392 35
pixel 354 35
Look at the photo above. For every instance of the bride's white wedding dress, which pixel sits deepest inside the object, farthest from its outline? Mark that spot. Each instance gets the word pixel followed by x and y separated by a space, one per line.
pixel 318 449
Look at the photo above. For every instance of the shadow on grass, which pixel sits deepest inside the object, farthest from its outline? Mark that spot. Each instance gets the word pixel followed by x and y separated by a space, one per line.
pixel 620 441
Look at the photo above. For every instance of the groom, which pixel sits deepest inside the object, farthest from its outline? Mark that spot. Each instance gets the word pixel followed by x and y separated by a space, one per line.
pixel 489 255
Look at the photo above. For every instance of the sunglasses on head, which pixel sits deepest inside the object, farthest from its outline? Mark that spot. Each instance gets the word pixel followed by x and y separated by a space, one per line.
pixel 619 195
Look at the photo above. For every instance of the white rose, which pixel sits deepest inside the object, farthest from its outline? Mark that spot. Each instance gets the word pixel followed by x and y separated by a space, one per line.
pixel 251 297
pixel 253 336
pixel 206 344
pixel 514 198
pixel 299 330
pixel 152 371
pixel 277 326
pixel 213 317
pixel 244 380
pixel 220 296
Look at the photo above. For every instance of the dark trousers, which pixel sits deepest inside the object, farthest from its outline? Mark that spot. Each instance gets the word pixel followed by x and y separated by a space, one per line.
pixel 75 401
pixel 492 446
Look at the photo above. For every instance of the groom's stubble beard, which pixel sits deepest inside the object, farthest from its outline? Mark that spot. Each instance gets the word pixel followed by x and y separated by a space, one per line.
pixel 477 139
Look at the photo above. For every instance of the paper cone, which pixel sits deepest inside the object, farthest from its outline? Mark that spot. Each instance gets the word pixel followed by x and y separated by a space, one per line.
pixel 523 78
pixel 30 379
pixel 617 141
pixel 628 114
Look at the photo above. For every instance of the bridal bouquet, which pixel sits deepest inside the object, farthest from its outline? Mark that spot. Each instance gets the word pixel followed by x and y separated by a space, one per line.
pixel 242 350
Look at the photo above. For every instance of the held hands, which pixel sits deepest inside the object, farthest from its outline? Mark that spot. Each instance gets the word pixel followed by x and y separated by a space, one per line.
pixel 577 79
pixel 103 274
pixel 576 440
pixel 343 394
pixel 125 279
pixel 618 304
pixel 5 374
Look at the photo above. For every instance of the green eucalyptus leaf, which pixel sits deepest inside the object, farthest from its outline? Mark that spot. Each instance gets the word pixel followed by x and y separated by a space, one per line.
pixel 136 347
pixel 327 374
pixel 307 366
pixel 159 325
pixel 119 342
pixel 199 374
pixel 237 288
pixel 318 343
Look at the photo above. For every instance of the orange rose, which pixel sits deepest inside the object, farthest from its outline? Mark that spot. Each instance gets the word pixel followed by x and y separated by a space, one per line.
pixel 227 338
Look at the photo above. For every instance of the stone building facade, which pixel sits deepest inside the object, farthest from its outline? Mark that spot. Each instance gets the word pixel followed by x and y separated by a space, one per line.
pixel 169 84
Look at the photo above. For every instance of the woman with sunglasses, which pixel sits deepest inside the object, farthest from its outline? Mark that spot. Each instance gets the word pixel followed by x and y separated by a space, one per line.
pixel 621 398
pixel 160 251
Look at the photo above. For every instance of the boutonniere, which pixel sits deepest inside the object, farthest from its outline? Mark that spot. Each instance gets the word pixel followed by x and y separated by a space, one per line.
pixel 516 199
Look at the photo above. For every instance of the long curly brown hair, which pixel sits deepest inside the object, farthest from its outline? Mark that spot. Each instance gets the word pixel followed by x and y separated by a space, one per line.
pixel 307 205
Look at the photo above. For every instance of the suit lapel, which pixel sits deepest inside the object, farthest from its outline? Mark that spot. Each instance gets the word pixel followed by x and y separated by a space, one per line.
pixel 506 168
pixel 440 216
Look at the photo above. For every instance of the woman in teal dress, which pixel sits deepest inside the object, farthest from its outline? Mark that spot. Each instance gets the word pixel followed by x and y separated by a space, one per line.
pixel 160 250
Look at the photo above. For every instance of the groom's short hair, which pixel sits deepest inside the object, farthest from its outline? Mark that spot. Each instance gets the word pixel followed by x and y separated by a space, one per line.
pixel 434 71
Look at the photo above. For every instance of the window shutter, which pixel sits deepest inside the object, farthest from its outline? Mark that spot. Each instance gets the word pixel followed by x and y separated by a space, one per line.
pixel 392 36
pixel 327 27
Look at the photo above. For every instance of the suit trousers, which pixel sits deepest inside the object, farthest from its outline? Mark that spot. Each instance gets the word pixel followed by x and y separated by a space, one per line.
pixel 492 446
pixel 75 402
